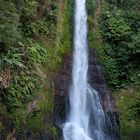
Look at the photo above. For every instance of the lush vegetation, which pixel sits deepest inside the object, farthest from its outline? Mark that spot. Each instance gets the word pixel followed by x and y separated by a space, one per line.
pixel 34 36
pixel 128 103
pixel 120 24
pixel 93 37
pixel 120 57
pixel 116 40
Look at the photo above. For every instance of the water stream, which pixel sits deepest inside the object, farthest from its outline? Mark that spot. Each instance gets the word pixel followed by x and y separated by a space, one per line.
pixel 85 120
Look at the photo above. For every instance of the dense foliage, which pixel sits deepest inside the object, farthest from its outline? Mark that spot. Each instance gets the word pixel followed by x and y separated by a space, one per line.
pixel 129 104
pixel 34 35
pixel 120 57
pixel 120 32
pixel 21 50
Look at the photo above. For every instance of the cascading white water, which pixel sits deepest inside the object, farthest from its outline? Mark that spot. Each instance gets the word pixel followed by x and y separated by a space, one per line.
pixel 86 118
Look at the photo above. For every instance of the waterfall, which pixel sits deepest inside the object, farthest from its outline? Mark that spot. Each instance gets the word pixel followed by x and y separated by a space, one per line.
pixel 85 120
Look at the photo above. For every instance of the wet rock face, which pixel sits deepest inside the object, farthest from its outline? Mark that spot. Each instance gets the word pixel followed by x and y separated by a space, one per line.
pixel 62 81
pixel 97 80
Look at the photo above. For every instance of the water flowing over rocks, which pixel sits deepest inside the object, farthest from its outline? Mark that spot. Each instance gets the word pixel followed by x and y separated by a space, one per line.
pixel 84 106
pixel 62 81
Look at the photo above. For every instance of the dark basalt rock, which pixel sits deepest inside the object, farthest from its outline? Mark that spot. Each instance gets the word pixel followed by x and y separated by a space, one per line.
pixel 62 81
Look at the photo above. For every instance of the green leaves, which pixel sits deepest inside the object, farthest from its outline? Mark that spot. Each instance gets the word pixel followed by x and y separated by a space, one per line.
pixel 120 34
pixel 37 53
pixel 9 33
pixel 111 71
pixel 91 5
pixel 31 43
pixel 115 28
pixel 17 52
pixel 12 60
pixel 20 90
pixel 121 44
pixel 128 105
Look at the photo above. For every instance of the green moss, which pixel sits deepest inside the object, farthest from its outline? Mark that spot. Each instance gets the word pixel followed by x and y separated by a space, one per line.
pixel 63 41
pixel 91 7
pixel 128 104
pixel 92 35
pixel 35 123
pixel 18 117
pixel 40 121
pixel 53 132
